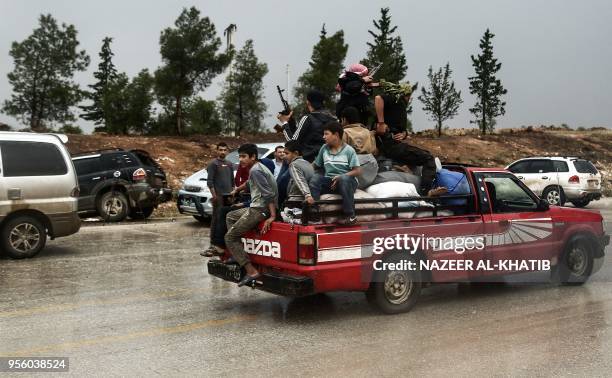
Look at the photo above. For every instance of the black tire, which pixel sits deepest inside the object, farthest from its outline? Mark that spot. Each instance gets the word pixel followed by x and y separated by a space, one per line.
pixel 395 291
pixel 23 236
pixel 113 206
pixel 144 213
pixel 581 203
pixel 554 195
pixel 202 219
pixel 575 263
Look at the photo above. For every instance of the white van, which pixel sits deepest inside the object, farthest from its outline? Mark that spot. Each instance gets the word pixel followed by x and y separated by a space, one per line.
pixel 38 192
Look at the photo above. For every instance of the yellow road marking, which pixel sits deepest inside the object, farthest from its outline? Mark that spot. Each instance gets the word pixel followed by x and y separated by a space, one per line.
pixel 129 336
pixel 96 302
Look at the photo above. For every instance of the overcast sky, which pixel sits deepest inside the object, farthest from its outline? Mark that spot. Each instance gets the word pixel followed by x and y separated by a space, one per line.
pixel 556 54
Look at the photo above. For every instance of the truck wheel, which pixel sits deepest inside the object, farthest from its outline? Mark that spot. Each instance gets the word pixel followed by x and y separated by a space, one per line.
pixel 581 203
pixel 112 206
pixel 144 213
pixel 554 196
pixel 23 236
pixel 576 263
pixel 397 291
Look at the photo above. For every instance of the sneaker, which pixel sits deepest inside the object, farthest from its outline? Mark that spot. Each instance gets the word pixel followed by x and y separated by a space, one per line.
pixel 210 252
pixel 349 221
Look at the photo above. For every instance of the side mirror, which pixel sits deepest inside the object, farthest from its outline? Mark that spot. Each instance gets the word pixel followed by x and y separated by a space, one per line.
pixel 543 205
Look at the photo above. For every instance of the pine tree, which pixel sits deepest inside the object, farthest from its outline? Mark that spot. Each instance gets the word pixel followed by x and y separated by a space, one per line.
pixel 242 102
pixel 326 64
pixel 486 86
pixel 386 49
pixel 190 60
pixel 441 100
pixel 105 74
pixel 45 62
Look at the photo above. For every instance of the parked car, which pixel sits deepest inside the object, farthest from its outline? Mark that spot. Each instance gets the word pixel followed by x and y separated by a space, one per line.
pixel 560 179
pixel 118 183
pixel 194 196
pixel 38 192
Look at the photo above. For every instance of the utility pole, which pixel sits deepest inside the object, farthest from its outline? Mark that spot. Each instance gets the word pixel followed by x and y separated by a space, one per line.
pixel 229 39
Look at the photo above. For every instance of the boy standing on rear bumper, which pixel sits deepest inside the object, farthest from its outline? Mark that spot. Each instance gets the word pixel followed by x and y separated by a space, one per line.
pixel 264 197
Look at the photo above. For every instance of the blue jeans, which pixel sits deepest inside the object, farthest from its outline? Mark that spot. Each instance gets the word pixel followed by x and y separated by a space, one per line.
pixel 346 187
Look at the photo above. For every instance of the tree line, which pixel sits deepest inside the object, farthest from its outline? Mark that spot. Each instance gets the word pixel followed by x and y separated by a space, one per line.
pixel 168 101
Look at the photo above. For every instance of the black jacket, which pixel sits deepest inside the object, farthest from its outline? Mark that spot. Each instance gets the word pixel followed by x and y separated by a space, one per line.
pixel 309 132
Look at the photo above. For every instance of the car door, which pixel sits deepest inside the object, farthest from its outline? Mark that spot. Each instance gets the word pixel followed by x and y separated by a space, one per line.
pixel 540 175
pixel 516 227
pixel 89 174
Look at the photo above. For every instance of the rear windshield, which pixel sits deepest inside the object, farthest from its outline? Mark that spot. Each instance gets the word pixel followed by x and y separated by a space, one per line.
pixel 232 157
pixel 32 159
pixel 585 166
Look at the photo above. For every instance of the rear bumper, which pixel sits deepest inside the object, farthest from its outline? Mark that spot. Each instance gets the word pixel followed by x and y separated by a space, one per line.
pixel 577 193
pixel 280 284
pixel 144 195
pixel 64 224
pixel 604 241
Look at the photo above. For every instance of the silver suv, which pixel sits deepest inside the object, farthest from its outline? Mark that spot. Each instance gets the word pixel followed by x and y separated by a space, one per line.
pixel 559 179
pixel 38 192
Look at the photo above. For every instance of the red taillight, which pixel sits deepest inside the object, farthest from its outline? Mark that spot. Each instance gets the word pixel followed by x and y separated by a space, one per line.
pixel 139 175
pixel 307 249
pixel 574 180
pixel 75 192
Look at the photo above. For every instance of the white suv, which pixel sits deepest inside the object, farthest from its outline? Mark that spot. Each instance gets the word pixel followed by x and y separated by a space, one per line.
pixel 560 179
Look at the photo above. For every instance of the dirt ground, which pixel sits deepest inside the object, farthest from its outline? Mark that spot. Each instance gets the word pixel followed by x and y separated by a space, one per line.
pixel 182 156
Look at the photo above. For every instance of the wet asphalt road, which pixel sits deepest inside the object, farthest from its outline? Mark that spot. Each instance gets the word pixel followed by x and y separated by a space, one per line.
pixel 136 299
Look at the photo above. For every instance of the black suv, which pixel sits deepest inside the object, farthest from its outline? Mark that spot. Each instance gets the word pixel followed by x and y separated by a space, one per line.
pixel 118 183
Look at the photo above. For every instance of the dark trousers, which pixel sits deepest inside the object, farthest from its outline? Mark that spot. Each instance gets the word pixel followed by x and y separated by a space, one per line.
pixel 214 218
pixel 404 153
pixel 217 233
pixel 346 187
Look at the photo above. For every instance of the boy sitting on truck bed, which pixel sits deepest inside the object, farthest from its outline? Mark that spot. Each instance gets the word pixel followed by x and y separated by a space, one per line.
pixel 341 167
pixel 264 197
pixel 300 170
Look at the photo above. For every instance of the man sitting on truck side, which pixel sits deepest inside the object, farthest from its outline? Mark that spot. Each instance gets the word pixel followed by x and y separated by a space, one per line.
pixel 264 197
pixel 341 167
pixel 356 134
pixel 300 170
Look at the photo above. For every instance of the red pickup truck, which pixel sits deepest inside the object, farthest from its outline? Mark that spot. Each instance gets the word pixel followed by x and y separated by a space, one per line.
pixel 500 228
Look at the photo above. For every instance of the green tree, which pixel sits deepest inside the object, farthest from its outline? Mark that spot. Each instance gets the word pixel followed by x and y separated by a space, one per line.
pixel 140 97
pixel 203 117
pixel 42 80
pixel 441 100
pixel 386 48
pixel 242 102
pixel 486 86
pixel 190 59
pixel 104 75
pixel 116 105
pixel 326 64
pixel 70 129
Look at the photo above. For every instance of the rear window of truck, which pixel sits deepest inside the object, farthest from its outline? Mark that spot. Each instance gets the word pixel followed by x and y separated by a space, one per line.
pixel 584 166
pixel 20 159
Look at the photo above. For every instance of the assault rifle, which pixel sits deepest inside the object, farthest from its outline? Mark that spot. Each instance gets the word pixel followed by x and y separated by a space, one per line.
pixel 286 108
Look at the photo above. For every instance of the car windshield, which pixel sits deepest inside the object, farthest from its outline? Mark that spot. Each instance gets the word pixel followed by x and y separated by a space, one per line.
pixel 585 166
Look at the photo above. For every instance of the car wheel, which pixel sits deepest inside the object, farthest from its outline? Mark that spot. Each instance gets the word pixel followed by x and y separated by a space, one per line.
pixel 141 213
pixel 554 196
pixel 113 206
pixel 395 291
pixel 23 236
pixel 202 219
pixel 576 263
pixel 581 203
